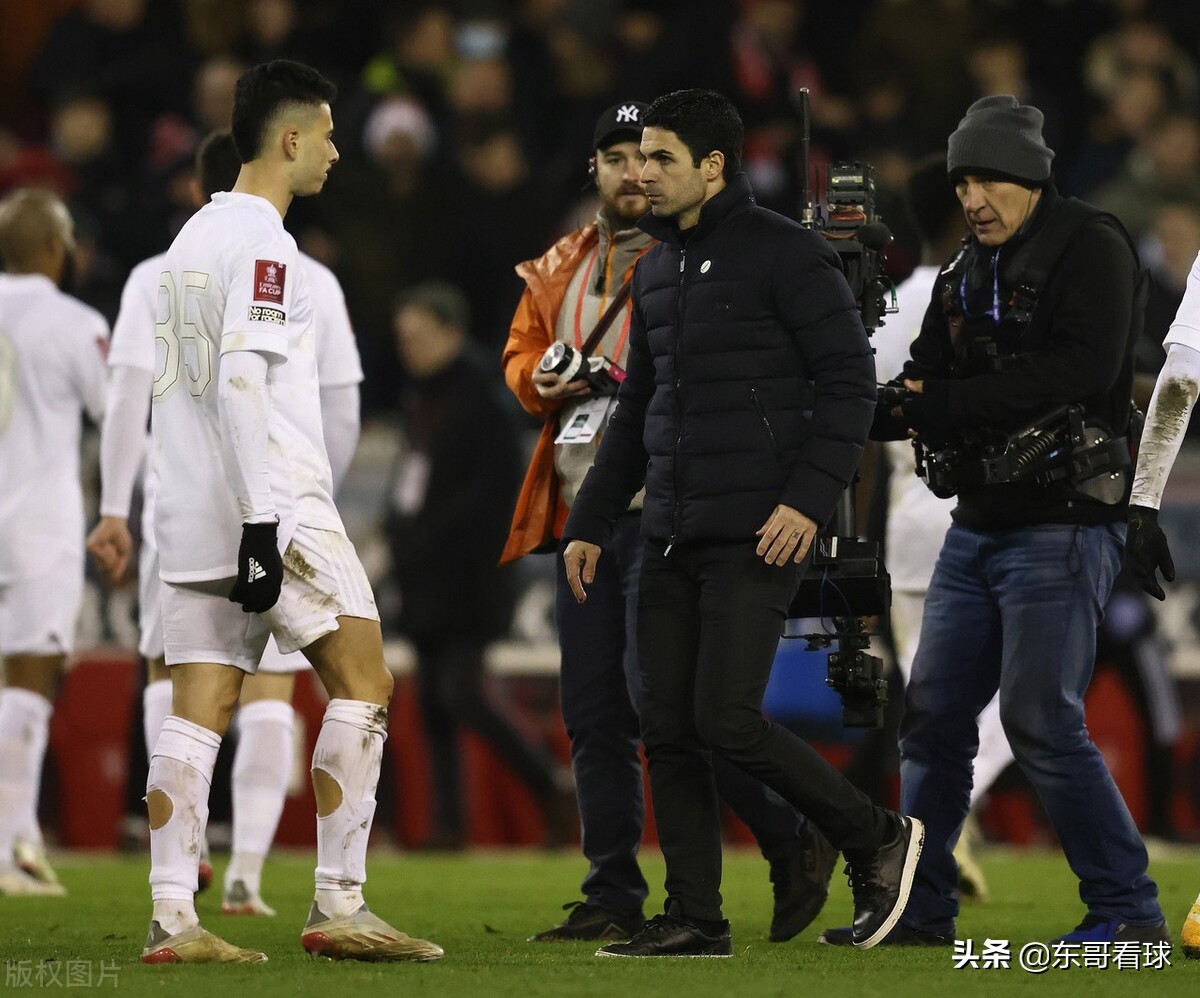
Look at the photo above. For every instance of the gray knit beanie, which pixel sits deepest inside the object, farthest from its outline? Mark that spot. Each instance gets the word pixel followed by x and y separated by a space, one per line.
pixel 999 135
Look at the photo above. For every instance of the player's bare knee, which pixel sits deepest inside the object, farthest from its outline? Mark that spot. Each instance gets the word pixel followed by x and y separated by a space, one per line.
pixel 159 808
pixel 328 792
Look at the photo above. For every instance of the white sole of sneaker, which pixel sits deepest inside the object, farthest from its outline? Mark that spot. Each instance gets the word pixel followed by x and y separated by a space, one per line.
pixel 915 845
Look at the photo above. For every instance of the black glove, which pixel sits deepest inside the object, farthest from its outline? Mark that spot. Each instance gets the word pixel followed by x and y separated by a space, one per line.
pixel 928 411
pixel 260 569
pixel 1146 550
pixel 886 426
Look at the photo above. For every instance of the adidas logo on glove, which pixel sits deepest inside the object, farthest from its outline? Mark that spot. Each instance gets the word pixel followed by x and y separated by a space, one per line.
pixel 256 571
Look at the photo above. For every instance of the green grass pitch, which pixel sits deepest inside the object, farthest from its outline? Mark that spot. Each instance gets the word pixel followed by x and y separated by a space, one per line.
pixel 482 906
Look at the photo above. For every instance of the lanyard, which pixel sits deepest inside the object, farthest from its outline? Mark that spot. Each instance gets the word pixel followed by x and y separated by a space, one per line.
pixel 994 311
pixel 583 289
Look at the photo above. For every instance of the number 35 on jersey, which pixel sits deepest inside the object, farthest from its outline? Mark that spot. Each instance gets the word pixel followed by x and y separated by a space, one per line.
pixel 183 352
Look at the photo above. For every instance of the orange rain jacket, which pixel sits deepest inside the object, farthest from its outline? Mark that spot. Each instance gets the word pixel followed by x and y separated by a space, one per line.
pixel 540 514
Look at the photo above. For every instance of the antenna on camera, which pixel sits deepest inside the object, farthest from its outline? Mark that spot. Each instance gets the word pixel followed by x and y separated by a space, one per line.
pixel 808 213
pixel 847 580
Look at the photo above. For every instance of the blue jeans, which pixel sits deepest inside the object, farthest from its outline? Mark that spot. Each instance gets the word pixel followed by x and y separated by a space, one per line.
pixel 601 689
pixel 1017 610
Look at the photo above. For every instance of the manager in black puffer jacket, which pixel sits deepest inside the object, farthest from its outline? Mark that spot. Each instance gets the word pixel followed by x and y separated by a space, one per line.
pixel 749 393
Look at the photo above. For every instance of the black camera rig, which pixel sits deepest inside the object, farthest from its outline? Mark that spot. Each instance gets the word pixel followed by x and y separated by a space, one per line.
pixel 1059 448
pixel 847 581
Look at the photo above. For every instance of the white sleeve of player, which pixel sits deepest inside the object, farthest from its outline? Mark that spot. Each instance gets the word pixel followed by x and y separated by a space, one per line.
pixel 1166 422
pixel 245 412
pixel 123 436
pixel 91 370
pixel 1185 328
pixel 340 422
pixel 261 282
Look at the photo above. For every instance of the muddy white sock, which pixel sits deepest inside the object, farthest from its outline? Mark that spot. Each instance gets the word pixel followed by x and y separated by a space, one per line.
pixel 24 728
pixel 261 768
pixel 156 705
pixel 181 768
pixel 349 749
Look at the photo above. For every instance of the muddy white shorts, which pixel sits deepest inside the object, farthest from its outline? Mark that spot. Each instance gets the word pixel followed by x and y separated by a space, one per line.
pixel 150 587
pixel 322 580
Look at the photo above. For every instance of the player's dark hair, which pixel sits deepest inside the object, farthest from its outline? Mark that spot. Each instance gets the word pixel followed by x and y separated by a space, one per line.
pixel 266 88
pixel 217 163
pixel 930 201
pixel 705 120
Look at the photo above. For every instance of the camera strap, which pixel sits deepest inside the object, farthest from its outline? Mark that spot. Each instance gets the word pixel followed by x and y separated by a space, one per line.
pixel 614 307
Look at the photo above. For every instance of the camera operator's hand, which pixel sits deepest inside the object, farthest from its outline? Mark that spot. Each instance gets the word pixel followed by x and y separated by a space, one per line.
pixel 580 558
pixel 1147 551
pixel 551 386
pixel 788 533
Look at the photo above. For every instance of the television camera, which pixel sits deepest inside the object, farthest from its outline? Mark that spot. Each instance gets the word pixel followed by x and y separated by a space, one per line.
pixel 847 581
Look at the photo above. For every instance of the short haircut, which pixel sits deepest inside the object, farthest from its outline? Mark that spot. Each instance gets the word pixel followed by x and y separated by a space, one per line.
pixel 444 301
pixel 704 120
pixel 930 201
pixel 267 88
pixel 217 163
pixel 29 217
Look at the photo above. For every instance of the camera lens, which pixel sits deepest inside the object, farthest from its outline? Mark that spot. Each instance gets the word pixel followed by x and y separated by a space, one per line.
pixel 561 359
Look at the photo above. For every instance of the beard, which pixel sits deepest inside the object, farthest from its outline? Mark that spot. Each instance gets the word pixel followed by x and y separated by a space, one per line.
pixel 622 212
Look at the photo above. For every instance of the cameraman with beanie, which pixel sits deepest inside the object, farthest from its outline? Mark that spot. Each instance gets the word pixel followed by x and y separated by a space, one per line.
pixel 1039 310
pixel 569 299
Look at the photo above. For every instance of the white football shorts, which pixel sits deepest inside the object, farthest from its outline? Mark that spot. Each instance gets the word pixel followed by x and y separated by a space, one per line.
pixel 276 663
pixel 39 613
pixel 322 580
pixel 150 586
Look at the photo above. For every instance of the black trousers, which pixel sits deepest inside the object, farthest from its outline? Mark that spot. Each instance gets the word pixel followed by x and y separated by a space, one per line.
pixel 451 689
pixel 710 616
pixel 601 691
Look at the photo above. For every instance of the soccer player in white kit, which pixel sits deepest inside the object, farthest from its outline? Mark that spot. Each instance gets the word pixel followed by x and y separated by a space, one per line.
pixel 51 372
pixel 1146 549
pixel 263 762
pixel 245 516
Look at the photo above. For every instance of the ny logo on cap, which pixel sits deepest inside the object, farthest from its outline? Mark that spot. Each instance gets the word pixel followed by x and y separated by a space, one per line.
pixel 627 112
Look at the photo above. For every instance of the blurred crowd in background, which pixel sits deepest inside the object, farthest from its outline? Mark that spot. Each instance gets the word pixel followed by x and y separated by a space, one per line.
pixel 463 125
pixel 464 129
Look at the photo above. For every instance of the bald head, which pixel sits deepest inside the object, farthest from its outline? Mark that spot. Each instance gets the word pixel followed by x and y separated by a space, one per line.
pixel 36 233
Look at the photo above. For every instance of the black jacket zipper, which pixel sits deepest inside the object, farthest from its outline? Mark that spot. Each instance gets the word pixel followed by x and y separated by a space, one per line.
pixel 678 405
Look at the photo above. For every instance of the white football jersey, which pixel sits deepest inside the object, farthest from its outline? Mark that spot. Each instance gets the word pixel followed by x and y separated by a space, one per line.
pixel 133 336
pixel 133 341
pixel 338 362
pixel 51 372
pixel 232 280
pixel 1186 327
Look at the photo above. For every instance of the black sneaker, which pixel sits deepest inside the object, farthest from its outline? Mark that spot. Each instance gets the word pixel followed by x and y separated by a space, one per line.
pixel 801 885
pixel 591 922
pixel 1098 929
pixel 881 883
pixel 668 935
pixel 901 935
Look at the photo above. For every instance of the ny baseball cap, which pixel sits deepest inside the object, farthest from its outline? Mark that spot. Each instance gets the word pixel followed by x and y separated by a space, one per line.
pixel 621 121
